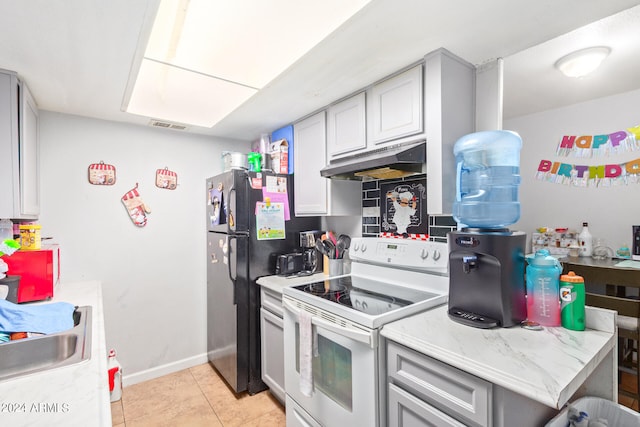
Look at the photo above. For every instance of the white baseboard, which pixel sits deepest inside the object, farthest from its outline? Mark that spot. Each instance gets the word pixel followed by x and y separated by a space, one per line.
pixel 162 370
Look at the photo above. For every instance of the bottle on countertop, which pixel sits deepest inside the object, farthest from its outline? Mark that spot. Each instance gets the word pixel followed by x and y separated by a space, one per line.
pixel 115 376
pixel 6 229
pixel 572 294
pixel 543 288
pixel 585 240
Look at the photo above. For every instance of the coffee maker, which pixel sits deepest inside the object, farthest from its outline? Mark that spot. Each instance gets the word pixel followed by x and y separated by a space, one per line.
pixel 486 277
pixel 311 261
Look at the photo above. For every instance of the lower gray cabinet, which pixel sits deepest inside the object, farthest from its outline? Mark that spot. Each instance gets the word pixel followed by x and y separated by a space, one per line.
pixel 272 342
pixel 407 410
pixel 423 391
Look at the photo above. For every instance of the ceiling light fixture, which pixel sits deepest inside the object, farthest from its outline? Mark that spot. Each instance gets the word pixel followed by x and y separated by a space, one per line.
pixel 205 58
pixel 582 62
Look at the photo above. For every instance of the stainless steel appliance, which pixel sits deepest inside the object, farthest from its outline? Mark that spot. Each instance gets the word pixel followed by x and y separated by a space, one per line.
pixel 311 262
pixel 486 277
pixel 236 258
pixel 333 378
pixel 635 254
pixel 288 264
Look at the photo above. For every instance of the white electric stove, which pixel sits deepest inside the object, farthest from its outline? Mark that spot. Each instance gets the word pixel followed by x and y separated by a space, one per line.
pixel 389 280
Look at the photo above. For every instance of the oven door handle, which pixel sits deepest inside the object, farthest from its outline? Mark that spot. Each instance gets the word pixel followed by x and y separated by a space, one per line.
pixel 363 337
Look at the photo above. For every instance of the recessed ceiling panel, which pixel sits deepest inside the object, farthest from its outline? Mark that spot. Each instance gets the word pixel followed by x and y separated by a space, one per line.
pixel 247 42
pixel 177 95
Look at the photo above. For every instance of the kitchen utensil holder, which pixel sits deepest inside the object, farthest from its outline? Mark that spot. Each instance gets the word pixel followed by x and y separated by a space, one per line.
pixel 336 267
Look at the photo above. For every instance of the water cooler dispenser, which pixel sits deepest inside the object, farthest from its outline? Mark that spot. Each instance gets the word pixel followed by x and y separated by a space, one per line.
pixel 486 277
pixel 486 259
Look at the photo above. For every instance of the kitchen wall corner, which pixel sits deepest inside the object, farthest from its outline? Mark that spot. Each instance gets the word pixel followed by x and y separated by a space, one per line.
pixel 154 281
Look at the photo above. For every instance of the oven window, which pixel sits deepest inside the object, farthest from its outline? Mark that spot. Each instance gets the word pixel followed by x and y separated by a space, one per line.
pixel 331 370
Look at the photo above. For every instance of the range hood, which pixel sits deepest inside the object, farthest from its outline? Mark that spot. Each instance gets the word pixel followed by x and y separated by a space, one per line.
pixel 395 161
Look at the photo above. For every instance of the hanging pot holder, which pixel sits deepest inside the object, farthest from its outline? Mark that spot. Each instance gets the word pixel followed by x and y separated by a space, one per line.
pixel 102 174
pixel 166 179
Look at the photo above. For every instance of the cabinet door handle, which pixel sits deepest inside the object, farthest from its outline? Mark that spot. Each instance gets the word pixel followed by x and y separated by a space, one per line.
pixel 361 336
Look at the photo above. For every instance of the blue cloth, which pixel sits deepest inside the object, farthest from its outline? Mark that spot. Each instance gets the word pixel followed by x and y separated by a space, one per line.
pixel 42 318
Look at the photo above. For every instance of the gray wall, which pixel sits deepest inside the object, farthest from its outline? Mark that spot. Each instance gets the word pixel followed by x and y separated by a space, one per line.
pixel 610 211
pixel 154 277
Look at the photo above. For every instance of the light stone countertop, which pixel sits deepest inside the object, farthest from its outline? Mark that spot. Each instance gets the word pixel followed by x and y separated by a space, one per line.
pixel 76 395
pixel 548 366
pixel 278 283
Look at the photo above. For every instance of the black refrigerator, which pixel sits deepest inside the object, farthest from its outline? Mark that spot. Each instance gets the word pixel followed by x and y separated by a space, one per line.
pixel 236 258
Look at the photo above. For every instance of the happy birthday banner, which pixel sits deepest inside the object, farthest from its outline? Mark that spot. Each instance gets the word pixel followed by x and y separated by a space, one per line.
pixel 588 146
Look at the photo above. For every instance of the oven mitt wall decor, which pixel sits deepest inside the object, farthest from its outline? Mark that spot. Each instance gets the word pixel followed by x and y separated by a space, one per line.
pixel 135 206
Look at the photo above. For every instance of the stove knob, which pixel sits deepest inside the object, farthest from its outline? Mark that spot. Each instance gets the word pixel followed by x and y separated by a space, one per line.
pixel 436 255
pixel 364 247
pixel 356 247
pixel 364 306
pixel 424 254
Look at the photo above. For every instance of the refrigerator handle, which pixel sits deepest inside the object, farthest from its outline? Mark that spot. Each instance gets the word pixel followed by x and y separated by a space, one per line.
pixel 231 221
pixel 233 279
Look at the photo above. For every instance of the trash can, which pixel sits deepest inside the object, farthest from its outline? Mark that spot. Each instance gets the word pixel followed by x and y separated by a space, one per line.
pixel 597 408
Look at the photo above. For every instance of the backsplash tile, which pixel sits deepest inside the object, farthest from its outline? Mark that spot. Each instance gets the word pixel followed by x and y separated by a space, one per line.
pixel 439 225
pixel 370 208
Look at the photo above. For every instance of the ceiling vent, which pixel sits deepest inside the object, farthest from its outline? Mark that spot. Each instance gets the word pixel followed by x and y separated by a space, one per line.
pixel 167 125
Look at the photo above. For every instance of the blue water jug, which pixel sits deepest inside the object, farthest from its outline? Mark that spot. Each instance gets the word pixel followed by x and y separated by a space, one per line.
pixel 487 179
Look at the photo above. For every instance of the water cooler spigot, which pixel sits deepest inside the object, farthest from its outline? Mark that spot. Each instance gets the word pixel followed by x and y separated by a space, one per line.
pixel 469 263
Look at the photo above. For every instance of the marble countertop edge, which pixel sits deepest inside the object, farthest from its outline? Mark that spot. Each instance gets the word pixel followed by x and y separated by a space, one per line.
pixel 554 397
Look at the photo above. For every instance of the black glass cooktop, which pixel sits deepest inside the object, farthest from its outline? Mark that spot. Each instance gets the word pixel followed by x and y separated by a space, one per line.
pixel 365 295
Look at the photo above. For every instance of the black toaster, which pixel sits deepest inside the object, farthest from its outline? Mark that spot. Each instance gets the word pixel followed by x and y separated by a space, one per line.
pixel 288 264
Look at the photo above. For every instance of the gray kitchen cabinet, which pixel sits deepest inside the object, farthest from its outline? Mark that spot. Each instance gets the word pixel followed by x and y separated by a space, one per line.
pixel 272 342
pixel 407 410
pixel 19 150
pixel 423 391
pixel 395 107
pixel 449 87
pixel 315 195
pixel 346 126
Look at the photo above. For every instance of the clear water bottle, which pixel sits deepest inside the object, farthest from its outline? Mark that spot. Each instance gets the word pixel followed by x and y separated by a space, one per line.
pixel 543 288
pixel 487 179
pixel 6 230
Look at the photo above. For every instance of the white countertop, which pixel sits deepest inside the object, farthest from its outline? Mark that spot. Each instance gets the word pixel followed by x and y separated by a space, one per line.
pixel 547 366
pixel 277 283
pixel 76 395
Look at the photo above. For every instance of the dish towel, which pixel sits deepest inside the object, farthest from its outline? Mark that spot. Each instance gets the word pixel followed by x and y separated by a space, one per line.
pixel 43 318
pixel 306 353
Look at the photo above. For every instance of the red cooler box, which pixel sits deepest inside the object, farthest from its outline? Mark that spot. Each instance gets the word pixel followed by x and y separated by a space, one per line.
pixel 39 272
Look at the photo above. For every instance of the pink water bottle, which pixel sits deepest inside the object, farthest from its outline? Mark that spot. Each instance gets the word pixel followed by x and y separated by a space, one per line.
pixel 543 288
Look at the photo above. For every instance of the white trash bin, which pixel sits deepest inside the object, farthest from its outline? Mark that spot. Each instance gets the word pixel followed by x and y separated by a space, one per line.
pixel 597 408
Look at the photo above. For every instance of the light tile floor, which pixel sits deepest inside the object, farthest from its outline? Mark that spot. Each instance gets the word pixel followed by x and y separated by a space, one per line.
pixel 194 397
pixel 199 397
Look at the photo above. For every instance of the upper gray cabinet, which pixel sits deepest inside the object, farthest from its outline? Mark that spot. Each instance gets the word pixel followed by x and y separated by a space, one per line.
pixel 19 150
pixel 346 126
pixel 395 106
pixel 315 195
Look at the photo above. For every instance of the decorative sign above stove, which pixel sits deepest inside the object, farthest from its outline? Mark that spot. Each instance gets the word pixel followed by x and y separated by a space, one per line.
pixel 403 209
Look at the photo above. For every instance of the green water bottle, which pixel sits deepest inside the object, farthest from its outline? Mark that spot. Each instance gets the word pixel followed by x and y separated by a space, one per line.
pixel 572 297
